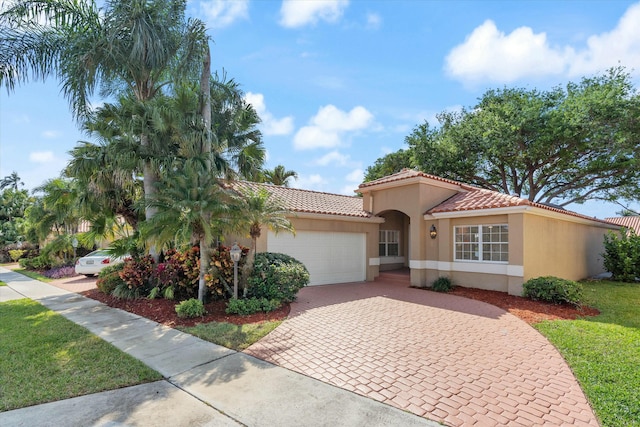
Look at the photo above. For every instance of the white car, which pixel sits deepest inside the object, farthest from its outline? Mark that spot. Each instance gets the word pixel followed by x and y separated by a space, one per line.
pixel 93 263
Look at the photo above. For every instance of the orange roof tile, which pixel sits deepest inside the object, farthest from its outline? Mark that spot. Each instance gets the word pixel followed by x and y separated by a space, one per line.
pixel 630 222
pixel 297 200
pixel 411 173
pixel 480 199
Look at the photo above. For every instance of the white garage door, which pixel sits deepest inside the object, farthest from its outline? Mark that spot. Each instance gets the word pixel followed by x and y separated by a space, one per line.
pixel 329 257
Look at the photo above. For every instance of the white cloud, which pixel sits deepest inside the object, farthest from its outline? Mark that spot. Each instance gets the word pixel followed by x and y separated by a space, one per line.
pixel 270 125
pixel 489 54
pixel 222 13
pixel 20 119
pixel 356 176
pixel 333 158
pixel 622 44
pixel 352 180
pixel 294 13
pixel 50 134
pixel 327 127
pixel 42 157
pixel 374 21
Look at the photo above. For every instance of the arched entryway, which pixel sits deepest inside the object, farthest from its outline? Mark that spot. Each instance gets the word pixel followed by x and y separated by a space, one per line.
pixel 393 241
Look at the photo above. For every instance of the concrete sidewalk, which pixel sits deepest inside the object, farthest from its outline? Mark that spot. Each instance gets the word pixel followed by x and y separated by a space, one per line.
pixel 205 384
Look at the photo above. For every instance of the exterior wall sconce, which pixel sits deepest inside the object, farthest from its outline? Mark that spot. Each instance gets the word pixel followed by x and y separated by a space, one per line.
pixel 433 231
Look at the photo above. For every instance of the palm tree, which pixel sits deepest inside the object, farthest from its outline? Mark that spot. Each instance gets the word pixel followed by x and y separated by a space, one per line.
pixel 136 45
pixel 279 176
pixel 258 209
pixel 191 208
pixel 56 210
pixel 11 181
pixel 237 146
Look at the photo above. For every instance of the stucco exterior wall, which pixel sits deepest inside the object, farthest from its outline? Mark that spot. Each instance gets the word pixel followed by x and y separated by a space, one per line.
pixel 475 274
pixel 570 250
pixel 412 199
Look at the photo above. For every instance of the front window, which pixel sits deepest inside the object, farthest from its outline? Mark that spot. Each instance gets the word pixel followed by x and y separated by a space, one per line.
pixel 482 243
pixel 389 243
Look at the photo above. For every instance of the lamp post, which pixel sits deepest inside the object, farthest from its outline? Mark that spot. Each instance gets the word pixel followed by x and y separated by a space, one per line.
pixel 235 254
pixel 74 243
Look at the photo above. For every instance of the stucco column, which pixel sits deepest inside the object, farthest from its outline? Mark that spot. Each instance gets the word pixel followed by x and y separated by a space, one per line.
pixel 418 250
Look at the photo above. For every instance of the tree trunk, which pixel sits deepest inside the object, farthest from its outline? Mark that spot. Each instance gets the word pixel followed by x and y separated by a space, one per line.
pixel 205 111
pixel 204 267
pixel 149 180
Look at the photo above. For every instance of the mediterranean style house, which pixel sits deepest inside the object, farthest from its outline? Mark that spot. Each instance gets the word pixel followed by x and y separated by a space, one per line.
pixel 435 227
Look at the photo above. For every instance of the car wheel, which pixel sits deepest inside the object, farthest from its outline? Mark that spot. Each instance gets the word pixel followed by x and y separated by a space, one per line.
pixel 89 275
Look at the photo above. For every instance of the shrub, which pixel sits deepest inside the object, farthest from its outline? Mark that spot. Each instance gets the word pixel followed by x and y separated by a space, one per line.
pixel 251 305
pixel 442 284
pixel 622 256
pixel 179 275
pixel 39 263
pixel 190 308
pixel 16 254
pixel 109 278
pixel 135 275
pixel 277 276
pixel 137 272
pixel 60 272
pixel 553 289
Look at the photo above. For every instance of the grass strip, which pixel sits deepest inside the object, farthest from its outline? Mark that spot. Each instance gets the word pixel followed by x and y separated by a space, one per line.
pixel 604 351
pixel 45 357
pixel 33 275
pixel 235 337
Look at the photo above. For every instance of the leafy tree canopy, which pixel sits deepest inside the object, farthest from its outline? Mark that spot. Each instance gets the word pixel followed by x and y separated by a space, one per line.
pixel 567 145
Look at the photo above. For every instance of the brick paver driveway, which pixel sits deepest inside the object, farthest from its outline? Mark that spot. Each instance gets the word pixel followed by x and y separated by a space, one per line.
pixel 450 359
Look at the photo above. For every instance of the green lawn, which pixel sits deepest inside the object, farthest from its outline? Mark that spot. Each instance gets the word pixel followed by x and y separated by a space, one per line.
pixel 604 351
pixel 235 337
pixel 45 357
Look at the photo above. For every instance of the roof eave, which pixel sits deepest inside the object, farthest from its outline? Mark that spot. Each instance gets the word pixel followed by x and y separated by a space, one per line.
pixel 521 209
pixel 334 217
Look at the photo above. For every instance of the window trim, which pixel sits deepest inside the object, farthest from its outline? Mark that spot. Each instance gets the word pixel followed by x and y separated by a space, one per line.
pixel 386 242
pixel 479 243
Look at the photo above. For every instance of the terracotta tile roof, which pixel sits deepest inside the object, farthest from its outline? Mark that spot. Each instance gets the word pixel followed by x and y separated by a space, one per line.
pixel 297 200
pixel 630 222
pixel 410 173
pixel 480 199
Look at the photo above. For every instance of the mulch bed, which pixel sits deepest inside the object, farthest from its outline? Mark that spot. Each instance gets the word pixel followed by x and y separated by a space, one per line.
pixel 163 311
pixel 528 310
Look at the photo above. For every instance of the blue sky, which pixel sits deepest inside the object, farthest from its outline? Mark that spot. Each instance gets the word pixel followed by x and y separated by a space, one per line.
pixel 341 83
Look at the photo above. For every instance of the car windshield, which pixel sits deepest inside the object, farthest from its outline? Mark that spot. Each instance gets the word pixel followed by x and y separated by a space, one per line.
pixel 100 252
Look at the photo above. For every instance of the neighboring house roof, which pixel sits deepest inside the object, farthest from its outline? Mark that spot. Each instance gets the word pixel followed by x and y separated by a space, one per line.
pixel 306 201
pixel 630 222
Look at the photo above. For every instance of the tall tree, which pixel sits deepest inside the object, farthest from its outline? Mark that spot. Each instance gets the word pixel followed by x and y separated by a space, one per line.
pixel 12 182
pixel 279 175
pixel 56 211
pixel 135 45
pixel 563 146
pixel 13 205
pixel 389 164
